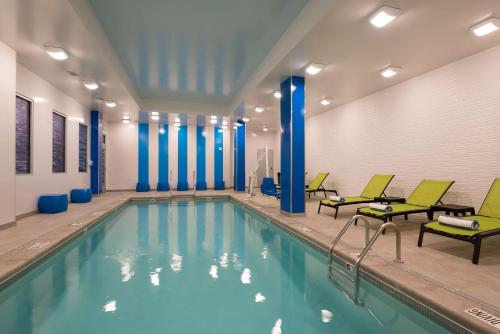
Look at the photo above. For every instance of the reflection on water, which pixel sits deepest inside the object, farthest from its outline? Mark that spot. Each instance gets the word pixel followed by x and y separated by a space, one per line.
pixel 111 280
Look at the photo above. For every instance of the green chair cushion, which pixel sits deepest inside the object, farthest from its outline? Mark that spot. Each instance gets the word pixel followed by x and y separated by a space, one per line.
pixel 485 224
pixel 347 200
pixel 318 180
pixel 491 204
pixel 376 186
pixel 429 192
pixel 396 209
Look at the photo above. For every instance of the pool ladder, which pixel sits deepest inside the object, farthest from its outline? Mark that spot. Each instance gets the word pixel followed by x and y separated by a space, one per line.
pixel 347 278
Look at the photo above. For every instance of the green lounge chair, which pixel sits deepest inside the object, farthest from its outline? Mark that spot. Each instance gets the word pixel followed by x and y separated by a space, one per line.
pixel 317 184
pixel 375 188
pixel 488 218
pixel 425 195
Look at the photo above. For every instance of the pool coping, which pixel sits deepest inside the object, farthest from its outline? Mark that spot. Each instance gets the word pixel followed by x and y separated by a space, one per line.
pixel 374 269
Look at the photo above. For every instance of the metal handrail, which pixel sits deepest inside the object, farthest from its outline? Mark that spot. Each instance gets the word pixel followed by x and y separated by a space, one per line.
pixel 353 219
pixel 194 181
pixel 369 245
pixel 171 184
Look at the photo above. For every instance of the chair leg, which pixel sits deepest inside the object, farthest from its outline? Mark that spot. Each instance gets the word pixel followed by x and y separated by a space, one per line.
pixel 319 207
pixel 406 217
pixel 477 250
pixel 324 192
pixel 421 235
pixel 336 212
pixel 430 215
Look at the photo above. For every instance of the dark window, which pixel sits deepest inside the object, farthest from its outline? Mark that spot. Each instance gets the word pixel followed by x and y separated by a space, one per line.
pixel 58 143
pixel 23 136
pixel 82 148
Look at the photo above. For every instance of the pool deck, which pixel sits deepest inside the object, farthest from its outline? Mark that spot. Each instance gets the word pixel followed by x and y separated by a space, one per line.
pixel 439 274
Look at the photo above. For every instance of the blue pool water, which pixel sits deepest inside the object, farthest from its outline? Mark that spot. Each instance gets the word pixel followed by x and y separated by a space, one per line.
pixel 193 267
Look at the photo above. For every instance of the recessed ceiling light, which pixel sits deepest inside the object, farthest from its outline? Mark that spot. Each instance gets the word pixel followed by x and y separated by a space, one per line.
pixel 126 117
pixel 90 85
pixel 390 71
pixel 277 94
pixel 110 104
pixel 265 129
pixel 259 109
pixel 155 117
pixel 155 113
pixel 213 121
pixel 325 101
pixel 383 16
pixel 126 121
pixel 56 52
pixel 486 27
pixel 314 68
pixel 245 119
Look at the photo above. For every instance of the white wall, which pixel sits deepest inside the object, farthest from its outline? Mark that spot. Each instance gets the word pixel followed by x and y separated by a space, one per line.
pixel 42 180
pixel 8 132
pixel 122 155
pixel 443 124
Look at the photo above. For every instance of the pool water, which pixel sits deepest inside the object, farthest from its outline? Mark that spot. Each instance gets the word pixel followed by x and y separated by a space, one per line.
pixel 193 267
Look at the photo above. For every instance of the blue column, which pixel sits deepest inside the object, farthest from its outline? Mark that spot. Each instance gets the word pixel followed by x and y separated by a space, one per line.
pixel 239 157
pixel 163 158
pixel 96 151
pixel 292 145
pixel 182 159
pixel 218 159
pixel 201 177
pixel 143 158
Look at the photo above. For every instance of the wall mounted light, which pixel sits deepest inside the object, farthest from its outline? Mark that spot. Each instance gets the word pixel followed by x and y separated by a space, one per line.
pixel 259 109
pixel 314 68
pixel 383 16
pixel 56 53
pixel 325 101
pixel 486 27
pixel 90 85
pixel 245 119
pixel 277 94
pixel 110 103
pixel 390 71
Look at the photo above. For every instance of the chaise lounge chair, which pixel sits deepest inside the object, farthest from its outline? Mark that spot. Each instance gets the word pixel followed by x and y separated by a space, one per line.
pixel 375 188
pixel 425 195
pixel 317 185
pixel 488 218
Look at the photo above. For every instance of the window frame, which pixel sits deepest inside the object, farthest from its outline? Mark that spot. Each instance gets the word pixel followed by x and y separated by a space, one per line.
pixel 86 147
pixel 31 130
pixel 65 141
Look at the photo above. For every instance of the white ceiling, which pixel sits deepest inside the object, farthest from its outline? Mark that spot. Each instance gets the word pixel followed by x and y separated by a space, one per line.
pixel 427 35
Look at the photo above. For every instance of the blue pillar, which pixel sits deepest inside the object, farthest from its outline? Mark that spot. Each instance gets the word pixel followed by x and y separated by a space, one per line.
pixel 219 159
pixel 96 151
pixel 292 145
pixel 143 158
pixel 182 159
pixel 201 177
pixel 163 158
pixel 239 157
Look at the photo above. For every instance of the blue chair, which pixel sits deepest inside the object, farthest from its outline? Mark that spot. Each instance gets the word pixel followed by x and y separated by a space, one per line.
pixel 81 195
pixel 269 188
pixel 53 203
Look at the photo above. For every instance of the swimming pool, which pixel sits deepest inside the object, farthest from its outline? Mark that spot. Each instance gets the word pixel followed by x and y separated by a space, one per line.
pixel 193 266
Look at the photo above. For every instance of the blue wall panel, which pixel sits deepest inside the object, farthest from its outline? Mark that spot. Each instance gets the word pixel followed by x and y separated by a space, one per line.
pixel 219 159
pixel 182 159
pixel 292 145
pixel 239 157
pixel 96 151
pixel 163 184
pixel 201 175
pixel 143 158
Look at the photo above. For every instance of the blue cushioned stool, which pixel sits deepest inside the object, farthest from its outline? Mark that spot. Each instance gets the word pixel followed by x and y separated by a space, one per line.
pixel 81 195
pixel 53 203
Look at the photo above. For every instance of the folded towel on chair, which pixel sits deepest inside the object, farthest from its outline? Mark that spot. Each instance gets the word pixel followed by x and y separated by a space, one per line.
pixel 380 207
pixel 337 198
pixel 472 225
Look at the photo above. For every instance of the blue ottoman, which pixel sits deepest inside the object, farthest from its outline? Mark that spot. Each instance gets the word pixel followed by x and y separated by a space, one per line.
pixel 81 195
pixel 53 203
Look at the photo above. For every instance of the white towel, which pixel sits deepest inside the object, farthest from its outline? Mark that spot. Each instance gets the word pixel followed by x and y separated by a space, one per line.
pixel 380 207
pixel 472 225
pixel 337 198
